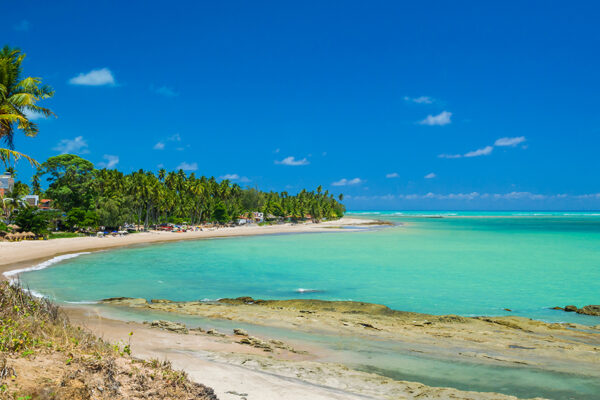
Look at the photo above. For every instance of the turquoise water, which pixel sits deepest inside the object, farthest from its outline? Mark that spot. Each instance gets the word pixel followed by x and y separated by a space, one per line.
pixel 461 265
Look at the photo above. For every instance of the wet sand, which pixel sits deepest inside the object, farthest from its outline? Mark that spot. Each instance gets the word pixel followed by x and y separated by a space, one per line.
pixel 504 341
pixel 236 371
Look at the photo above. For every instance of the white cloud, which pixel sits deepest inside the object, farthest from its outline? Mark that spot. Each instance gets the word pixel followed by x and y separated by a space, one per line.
pixel 392 175
pixel 510 141
pixel 111 161
pixel 588 196
pixel 96 77
pixel 166 91
pixel 441 119
pixel 511 196
pixel 487 150
pixel 235 177
pixel 22 26
pixel 173 138
pixel 188 166
pixel 450 156
pixel 419 100
pixel 72 146
pixel 292 161
pixel 347 182
pixel 520 195
pixel 430 175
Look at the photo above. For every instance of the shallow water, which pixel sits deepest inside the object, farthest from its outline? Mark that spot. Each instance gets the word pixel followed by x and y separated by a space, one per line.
pixel 398 360
pixel 468 265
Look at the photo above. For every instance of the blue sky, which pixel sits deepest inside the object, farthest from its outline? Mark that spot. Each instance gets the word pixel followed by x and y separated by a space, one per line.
pixel 398 105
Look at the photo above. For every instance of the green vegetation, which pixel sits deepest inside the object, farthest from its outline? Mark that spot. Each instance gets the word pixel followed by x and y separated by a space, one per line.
pixel 88 198
pixel 84 198
pixel 18 96
pixel 43 356
pixel 64 235
pixel 31 220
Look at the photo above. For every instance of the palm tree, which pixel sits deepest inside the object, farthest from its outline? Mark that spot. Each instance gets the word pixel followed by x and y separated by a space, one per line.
pixel 18 98
pixel 9 205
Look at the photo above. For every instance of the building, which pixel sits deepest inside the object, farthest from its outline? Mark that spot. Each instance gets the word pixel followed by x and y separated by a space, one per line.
pixel 6 184
pixel 258 216
pixel 32 200
pixel 45 204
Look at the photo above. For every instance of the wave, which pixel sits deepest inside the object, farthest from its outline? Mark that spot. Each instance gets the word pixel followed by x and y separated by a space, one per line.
pixel 583 214
pixel 81 302
pixel 302 290
pixel 43 265
pixel 35 294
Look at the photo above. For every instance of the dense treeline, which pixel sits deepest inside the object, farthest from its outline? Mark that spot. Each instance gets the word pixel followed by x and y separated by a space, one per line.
pixel 88 197
pixel 84 197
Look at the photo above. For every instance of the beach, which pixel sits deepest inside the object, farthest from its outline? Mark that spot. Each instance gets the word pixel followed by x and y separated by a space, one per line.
pixel 229 367
pixel 30 251
pixel 263 363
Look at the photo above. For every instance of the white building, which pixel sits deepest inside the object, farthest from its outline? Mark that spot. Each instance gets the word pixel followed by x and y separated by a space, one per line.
pixel 32 200
pixel 7 184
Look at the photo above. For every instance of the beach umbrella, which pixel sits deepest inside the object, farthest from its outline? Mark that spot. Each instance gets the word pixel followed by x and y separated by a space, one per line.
pixel 10 236
pixel 30 235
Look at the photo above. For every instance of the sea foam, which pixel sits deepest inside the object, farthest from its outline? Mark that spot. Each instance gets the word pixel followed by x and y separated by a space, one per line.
pixel 43 265
pixel 302 290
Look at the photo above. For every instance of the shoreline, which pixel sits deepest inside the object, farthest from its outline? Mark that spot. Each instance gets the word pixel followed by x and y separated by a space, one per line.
pixel 226 365
pixel 292 369
pixel 504 341
pixel 23 254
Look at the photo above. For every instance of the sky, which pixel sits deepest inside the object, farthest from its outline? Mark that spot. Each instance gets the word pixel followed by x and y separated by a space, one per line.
pixel 465 105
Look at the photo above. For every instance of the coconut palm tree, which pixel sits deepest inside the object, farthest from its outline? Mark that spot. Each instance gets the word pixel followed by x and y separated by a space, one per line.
pixel 18 101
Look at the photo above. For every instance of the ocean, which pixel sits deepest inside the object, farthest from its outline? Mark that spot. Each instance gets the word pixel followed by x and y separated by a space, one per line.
pixel 438 262
pixel 431 262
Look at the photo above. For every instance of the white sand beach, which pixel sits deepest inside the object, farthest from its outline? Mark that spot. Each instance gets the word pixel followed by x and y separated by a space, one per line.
pixel 30 251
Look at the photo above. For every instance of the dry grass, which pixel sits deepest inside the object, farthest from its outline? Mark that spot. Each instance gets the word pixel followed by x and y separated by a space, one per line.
pixel 43 356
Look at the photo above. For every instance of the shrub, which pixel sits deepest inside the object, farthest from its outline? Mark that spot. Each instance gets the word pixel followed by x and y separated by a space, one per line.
pixel 33 220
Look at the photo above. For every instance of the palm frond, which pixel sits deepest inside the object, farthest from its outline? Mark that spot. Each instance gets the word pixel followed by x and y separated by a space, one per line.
pixel 6 155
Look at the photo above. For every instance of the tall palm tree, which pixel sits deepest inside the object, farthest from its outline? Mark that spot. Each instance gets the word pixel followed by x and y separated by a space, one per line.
pixel 18 100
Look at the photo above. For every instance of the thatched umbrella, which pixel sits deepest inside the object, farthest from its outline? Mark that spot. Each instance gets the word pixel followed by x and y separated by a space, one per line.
pixel 10 236
pixel 14 227
pixel 20 236
pixel 29 235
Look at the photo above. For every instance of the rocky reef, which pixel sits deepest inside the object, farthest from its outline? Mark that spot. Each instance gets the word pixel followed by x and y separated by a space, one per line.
pixel 593 310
